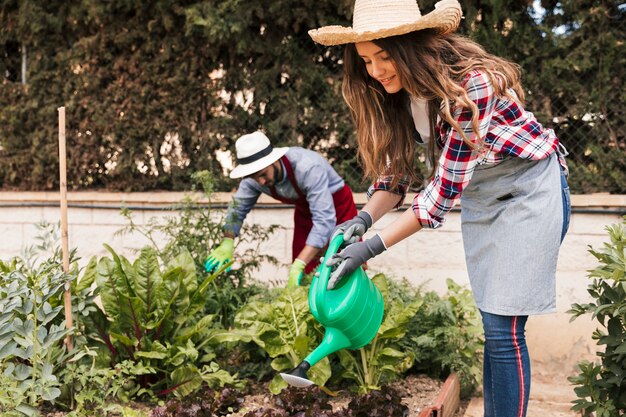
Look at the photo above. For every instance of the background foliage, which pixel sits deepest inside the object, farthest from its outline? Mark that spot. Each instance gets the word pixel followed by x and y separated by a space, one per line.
pixel 601 387
pixel 157 89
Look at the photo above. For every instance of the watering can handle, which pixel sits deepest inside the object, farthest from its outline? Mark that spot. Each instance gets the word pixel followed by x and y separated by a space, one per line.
pixel 324 270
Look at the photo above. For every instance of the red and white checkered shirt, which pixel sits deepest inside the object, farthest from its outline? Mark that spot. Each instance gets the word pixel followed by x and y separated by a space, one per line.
pixel 506 130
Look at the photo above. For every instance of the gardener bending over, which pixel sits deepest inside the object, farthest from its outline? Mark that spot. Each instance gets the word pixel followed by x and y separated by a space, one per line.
pixel 292 175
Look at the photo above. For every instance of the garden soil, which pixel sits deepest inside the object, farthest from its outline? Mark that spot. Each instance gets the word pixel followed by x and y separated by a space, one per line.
pixel 417 391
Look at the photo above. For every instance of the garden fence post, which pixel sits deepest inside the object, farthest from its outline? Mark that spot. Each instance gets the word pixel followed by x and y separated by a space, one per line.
pixel 67 296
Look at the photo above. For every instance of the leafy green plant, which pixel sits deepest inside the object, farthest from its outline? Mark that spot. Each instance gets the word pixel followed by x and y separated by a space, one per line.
pixel 32 326
pixel 197 227
pixel 445 336
pixel 601 388
pixel 95 390
pixel 32 329
pixel 13 401
pixel 155 320
pixel 383 359
pixel 283 326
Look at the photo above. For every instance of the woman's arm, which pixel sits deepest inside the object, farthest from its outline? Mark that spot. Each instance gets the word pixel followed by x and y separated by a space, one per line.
pixel 403 227
pixel 380 203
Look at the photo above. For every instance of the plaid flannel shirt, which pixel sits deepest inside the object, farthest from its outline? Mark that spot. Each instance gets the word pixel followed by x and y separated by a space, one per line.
pixel 506 130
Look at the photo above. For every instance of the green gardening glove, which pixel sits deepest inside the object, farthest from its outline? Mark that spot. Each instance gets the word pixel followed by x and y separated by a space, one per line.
pixel 220 255
pixel 295 273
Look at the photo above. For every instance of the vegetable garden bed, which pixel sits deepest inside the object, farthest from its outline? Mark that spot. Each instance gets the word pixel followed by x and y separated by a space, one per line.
pixel 156 333
pixel 419 396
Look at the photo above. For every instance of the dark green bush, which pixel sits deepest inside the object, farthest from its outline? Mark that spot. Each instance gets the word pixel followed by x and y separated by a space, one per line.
pixel 601 387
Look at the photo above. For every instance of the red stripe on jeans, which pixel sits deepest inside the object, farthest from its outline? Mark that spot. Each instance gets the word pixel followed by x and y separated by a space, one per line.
pixel 520 370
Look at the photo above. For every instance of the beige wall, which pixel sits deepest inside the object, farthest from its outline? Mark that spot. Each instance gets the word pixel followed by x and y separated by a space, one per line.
pixel 425 258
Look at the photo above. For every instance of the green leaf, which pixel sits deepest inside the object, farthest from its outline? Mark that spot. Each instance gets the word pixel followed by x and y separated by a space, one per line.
pixel 50 393
pixel 150 354
pixel 22 371
pixel 89 276
pixel 28 410
pixel 7 350
pixel 185 262
pixel 186 379
pixel 125 340
pixel 147 277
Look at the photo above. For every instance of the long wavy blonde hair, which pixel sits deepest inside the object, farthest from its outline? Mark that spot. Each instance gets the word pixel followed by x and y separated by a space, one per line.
pixel 430 66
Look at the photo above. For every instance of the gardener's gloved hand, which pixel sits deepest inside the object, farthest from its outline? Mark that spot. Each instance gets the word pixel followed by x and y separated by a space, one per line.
pixel 295 273
pixel 354 228
pixel 220 255
pixel 352 257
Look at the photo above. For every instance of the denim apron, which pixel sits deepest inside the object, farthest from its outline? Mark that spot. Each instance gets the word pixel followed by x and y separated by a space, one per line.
pixel 512 219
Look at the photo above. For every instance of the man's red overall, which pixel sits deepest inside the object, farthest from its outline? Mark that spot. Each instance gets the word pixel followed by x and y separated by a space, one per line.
pixel 302 218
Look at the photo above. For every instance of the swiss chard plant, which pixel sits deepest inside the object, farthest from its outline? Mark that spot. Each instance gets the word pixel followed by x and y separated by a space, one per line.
pixel 197 227
pixel 156 320
pixel 283 326
pixel 601 387
pixel 383 359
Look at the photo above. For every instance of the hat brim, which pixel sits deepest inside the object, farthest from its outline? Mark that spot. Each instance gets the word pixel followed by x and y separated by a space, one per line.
pixel 445 19
pixel 248 169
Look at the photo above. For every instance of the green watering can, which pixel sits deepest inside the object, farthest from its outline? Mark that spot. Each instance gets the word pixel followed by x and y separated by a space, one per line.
pixel 351 313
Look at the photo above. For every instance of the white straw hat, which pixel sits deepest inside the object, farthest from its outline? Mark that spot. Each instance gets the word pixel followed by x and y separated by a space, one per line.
pixel 254 152
pixel 376 19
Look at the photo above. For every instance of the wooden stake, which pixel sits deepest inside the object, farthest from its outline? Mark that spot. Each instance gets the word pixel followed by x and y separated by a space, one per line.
pixel 67 299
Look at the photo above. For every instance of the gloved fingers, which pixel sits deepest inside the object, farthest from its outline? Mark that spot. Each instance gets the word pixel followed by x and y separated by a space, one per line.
pixel 212 264
pixel 336 259
pixel 337 275
pixel 209 264
pixel 353 239
pixel 353 232
pixel 338 231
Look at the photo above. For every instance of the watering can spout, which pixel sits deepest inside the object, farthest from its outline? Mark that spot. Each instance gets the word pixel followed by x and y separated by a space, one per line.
pixel 297 377
pixel 333 341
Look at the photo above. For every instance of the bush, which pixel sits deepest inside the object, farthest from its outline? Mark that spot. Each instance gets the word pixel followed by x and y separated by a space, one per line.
pixel 445 337
pixel 601 388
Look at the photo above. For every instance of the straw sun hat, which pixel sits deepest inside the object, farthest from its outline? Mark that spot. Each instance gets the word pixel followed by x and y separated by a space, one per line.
pixel 255 152
pixel 376 19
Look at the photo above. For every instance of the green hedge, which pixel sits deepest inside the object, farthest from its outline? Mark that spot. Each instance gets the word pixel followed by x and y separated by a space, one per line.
pixel 155 90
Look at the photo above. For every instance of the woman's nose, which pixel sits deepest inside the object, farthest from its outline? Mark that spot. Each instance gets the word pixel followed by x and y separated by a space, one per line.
pixel 377 70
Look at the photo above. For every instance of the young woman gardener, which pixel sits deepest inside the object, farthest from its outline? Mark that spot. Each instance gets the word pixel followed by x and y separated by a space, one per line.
pixel 409 81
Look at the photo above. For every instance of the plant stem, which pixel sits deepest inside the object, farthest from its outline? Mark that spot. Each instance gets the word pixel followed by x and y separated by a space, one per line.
pixel 366 374
pixel 35 359
pixel 293 315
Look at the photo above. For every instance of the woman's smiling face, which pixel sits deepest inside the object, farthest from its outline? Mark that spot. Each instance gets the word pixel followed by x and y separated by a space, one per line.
pixel 379 66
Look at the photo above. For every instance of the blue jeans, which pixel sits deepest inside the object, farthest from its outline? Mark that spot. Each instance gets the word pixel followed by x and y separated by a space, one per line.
pixel 506 367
